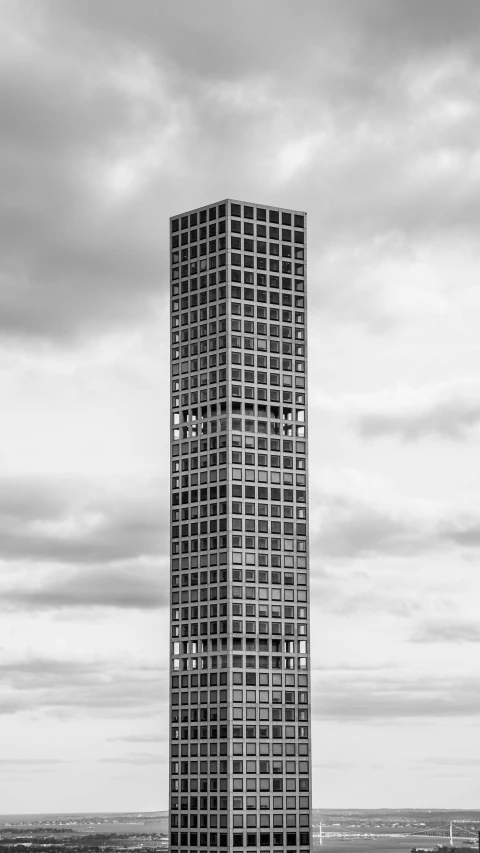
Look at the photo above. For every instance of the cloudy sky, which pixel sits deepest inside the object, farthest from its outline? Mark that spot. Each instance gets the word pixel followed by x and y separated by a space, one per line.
pixel 116 115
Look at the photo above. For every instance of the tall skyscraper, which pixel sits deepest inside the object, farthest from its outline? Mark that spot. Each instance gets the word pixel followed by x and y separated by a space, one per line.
pixel 240 775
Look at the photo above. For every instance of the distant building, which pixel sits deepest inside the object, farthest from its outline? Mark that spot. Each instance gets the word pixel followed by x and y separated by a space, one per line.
pixel 240 773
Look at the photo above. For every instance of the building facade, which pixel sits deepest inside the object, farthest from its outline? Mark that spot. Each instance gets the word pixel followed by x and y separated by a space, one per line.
pixel 240 774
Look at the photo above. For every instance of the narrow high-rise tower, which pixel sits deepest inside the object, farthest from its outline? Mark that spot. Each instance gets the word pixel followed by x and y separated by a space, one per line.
pixel 240 774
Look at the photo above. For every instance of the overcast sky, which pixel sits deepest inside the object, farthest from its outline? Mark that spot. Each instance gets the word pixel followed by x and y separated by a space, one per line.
pixel 116 115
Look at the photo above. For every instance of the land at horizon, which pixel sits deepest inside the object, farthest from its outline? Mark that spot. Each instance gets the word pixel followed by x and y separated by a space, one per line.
pixel 352 830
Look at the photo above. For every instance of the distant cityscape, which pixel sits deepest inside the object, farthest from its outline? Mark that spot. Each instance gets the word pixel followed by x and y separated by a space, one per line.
pixel 333 830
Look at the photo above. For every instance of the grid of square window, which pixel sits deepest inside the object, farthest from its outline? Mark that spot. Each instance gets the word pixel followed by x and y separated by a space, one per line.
pixel 240 770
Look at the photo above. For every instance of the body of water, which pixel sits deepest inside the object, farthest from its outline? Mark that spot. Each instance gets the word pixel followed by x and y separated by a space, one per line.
pixel 334 831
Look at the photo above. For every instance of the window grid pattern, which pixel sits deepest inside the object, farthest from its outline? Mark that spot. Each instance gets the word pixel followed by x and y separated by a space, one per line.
pixel 240 709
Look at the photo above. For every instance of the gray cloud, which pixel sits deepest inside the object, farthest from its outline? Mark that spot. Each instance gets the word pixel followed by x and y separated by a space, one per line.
pixel 335 596
pixel 447 631
pixel 344 526
pixel 27 762
pixel 464 531
pixel 467 761
pixel 80 544
pixel 450 418
pixel 376 32
pixel 363 698
pixel 69 687
pixel 333 765
pixel 71 260
pixel 156 737
pixel 347 527
pixel 128 588
pixel 134 758
pixel 119 114
pixel 57 520
pixel 22 766
pixel 11 705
